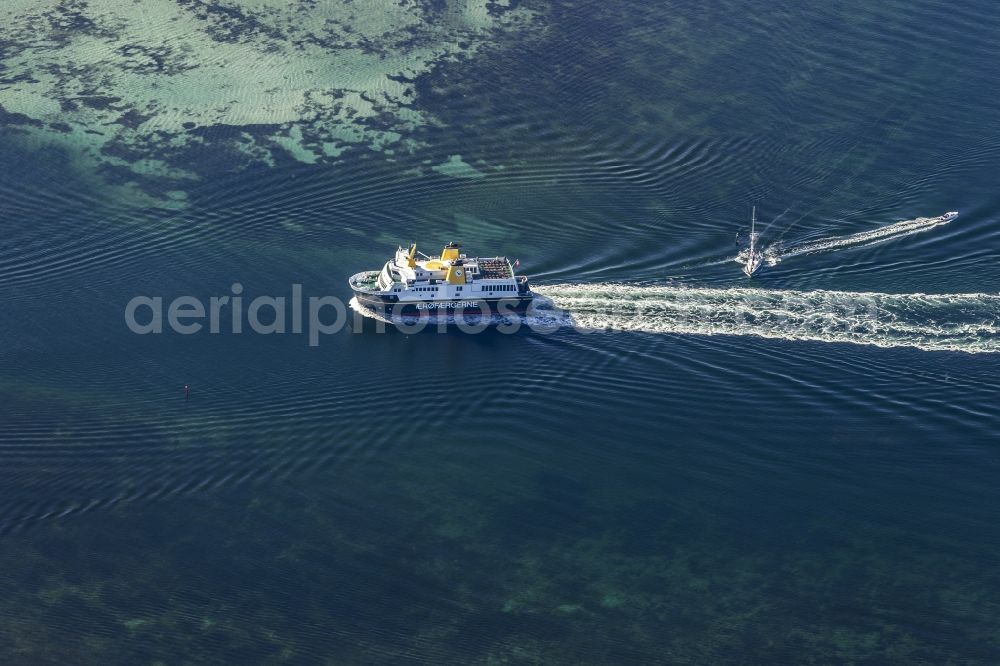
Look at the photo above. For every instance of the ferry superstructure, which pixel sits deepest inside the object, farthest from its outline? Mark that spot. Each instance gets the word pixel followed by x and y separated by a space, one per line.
pixel 449 284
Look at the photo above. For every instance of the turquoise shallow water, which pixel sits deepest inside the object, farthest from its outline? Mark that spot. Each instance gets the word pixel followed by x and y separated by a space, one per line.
pixel 689 468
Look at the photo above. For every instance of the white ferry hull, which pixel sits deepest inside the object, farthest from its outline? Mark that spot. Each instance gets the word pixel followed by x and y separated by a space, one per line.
pixel 389 305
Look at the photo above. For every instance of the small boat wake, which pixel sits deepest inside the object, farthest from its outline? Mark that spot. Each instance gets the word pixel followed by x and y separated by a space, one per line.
pixel 777 252
pixel 934 322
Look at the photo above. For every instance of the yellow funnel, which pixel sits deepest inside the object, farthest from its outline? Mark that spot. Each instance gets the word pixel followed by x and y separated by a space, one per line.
pixel 450 252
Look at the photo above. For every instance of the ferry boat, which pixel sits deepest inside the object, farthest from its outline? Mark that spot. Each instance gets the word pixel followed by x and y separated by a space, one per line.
pixel 450 284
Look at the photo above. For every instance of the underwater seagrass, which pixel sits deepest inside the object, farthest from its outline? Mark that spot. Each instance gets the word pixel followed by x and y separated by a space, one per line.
pixel 159 93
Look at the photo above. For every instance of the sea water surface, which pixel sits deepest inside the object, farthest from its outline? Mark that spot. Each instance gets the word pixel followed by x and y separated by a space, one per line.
pixel 682 466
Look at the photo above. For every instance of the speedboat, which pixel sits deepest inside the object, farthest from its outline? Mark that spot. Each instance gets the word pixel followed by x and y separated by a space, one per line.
pixel 449 284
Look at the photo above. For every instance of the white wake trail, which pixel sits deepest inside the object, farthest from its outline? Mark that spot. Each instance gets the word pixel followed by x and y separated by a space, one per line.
pixel 776 253
pixel 934 322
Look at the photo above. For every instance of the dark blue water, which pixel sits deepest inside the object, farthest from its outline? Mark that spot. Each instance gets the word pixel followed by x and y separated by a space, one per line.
pixel 690 467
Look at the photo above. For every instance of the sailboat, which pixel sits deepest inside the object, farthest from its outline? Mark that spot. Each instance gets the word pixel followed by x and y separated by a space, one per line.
pixel 755 258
